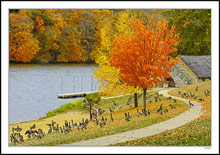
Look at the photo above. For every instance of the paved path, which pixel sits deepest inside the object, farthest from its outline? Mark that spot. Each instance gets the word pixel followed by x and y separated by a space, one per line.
pixel 172 123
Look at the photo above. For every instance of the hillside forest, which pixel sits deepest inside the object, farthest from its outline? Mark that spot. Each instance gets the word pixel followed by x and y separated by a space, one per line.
pixel 83 35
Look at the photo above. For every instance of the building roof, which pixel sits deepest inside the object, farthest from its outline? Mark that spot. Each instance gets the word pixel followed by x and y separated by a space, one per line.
pixel 200 65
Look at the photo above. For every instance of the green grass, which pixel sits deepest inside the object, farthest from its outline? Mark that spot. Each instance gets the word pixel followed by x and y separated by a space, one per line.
pixel 66 107
pixel 191 134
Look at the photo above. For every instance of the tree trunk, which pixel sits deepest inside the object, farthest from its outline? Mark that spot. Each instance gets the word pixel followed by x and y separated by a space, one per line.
pixel 90 110
pixel 145 93
pixel 135 99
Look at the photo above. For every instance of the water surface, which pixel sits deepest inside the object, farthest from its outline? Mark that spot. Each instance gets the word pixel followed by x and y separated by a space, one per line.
pixel 33 88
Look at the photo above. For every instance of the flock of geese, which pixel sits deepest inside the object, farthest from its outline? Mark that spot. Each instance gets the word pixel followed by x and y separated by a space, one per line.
pixel 16 136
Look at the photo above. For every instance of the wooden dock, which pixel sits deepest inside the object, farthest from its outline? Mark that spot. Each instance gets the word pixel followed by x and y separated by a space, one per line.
pixel 75 95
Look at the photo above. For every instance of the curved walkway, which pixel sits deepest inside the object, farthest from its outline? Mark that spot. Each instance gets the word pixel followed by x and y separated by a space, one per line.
pixel 169 124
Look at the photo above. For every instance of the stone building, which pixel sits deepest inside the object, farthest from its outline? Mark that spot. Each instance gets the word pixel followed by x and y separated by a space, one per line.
pixel 189 70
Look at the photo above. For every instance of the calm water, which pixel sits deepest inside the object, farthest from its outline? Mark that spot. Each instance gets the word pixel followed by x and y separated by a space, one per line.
pixel 33 88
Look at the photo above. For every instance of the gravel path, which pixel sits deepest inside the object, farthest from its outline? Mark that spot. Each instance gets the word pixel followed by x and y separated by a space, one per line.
pixel 172 123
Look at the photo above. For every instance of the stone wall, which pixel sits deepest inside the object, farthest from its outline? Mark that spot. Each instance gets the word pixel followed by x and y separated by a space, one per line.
pixel 182 75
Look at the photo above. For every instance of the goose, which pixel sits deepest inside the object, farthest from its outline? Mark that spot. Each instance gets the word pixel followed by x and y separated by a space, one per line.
pixel 33 127
pixel 126 117
pixel 179 92
pixel 111 111
pixel 28 131
pixel 13 129
pixel 50 130
pixel 21 138
pixel 138 113
pixel 166 110
pixel 72 124
pixel 96 121
pixel 171 106
pixel 53 122
pixel 111 118
pixel 200 99
pixel 160 112
pixel 56 128
pixel 14 140
pixel 61 129
pixel 50 125
pixel 174 100
pixel 114 103
pixel 197 88
pixel 87 121
pixel 18 129
pixel 190 104
pixel 148 112
pixel 129 116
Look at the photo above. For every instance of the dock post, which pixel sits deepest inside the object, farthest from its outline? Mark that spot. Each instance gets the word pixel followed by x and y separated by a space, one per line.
pixel 61 84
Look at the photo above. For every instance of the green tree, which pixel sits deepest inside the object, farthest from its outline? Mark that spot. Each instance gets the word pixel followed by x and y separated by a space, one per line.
pixel 194 26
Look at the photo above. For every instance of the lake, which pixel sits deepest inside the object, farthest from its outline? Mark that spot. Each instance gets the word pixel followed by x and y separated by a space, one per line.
pixel 33 88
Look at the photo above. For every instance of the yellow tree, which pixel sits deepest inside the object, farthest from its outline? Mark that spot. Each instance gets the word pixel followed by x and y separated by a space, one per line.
pixel 108 76
pixel 22 45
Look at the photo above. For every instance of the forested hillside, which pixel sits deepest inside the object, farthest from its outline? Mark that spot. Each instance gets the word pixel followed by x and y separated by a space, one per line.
pixel 83 35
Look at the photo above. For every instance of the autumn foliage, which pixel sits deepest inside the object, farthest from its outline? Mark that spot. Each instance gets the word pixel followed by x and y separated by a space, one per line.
pixel 22 44
pixel 145 57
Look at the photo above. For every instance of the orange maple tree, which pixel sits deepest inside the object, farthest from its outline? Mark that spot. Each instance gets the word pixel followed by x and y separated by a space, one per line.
pixel 145 57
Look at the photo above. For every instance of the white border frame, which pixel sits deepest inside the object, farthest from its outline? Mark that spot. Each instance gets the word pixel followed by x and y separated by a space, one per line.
pixel 109 5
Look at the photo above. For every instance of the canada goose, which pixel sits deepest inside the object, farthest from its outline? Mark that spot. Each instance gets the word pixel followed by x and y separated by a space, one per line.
pixel 126 117
pixel 171 106
pixel 190 104
pixel 166 110
pixel 14 140
pixel 111 118
pixel 179 92
pixel 53 122
pixel 169 97
pixel 33 127
pixel 61 129
pixel 138 113
pixel 50 125
pixel 197 88
pixel 87 121
pixel 148 112
pixel 160 112
pixel 28 131
pixel 111 111
pixel 50 130
pixel 200 99
pixel 18 129
pixel 174 100
pixel 114 103
pixel 129 116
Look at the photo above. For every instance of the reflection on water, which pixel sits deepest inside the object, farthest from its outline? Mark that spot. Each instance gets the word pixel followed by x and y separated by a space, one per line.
pixel 33 88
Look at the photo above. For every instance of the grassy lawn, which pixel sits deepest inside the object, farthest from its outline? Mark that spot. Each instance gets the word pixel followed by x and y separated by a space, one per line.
pixel 117 126
pixel 195 133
